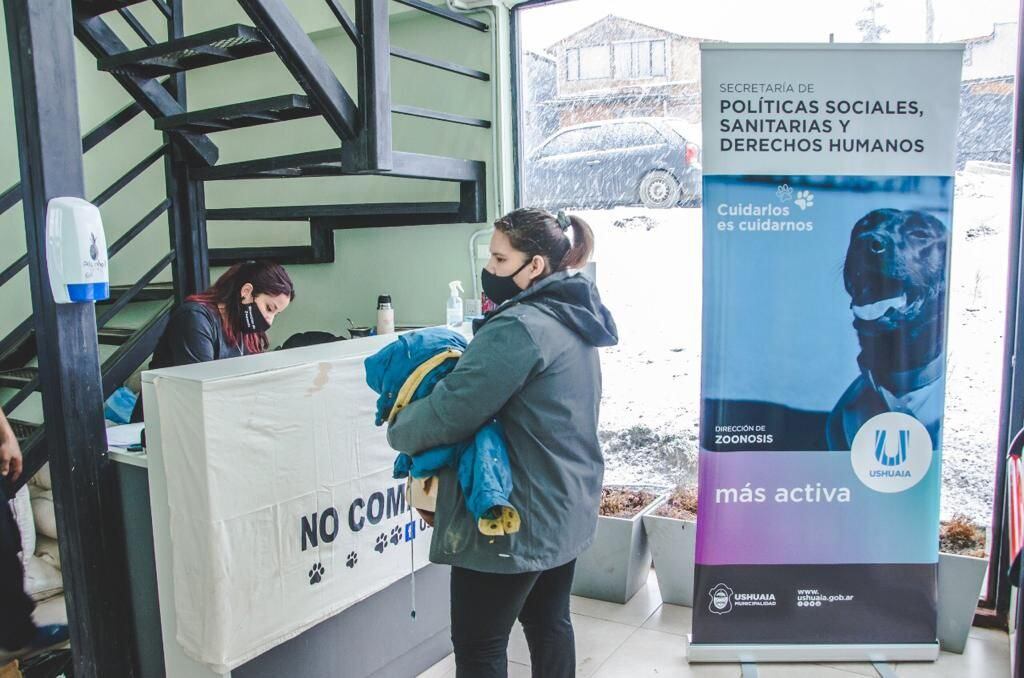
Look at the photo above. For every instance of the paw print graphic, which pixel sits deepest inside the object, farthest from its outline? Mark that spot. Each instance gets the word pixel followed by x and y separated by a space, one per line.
pixel 382 543
pixel 784 193
pixel 352 559
pixel 396 535
pixel 316 574
pixel 804 199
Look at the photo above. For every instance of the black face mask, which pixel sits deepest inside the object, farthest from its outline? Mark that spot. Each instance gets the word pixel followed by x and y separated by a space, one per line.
pixel 501 288
pixel 253 321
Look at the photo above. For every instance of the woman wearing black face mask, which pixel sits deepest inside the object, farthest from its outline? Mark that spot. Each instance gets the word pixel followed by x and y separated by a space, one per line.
pixel 228 320
pixel 533 365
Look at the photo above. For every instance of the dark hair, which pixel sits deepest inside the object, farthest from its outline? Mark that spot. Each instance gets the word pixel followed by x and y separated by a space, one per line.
pixel 266 278
pixel 539 232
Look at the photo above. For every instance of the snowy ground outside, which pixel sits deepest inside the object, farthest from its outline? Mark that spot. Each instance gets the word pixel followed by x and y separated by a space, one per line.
pixel 649 273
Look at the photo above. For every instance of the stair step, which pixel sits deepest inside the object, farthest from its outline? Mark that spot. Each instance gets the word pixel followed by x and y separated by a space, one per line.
pixel 194 51
pixel 287 255
pixel 18 347
pixel 23 430
pixel 18 378
pixel 115 336
pixel 328 163
pixel 235 116
pixel 97 7
pixel 154 292
pixel 413 213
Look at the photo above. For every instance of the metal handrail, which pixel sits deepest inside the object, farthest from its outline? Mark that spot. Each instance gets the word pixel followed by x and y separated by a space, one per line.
pixel 106 195
pixel 440 64
pixel 118 245
pixel 445 13
pixel 138 228
pixel 12 196
pixel 130 176
pixel 137 26
pixel 346 22
pixel 164 8
pixel 130 294
pixel 13 269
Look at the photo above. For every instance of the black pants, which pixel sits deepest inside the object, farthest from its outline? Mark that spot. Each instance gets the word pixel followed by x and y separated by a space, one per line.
pixel 484 608
pixel 16 627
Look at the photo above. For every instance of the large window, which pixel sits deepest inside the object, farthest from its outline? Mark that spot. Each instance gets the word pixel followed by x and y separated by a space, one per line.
pixel 631 135
pixel 572 141
pixel 649 260
pixel 640 59
pixel 588 63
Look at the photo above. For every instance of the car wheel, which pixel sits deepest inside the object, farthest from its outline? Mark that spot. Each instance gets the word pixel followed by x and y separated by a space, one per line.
pixel 659 190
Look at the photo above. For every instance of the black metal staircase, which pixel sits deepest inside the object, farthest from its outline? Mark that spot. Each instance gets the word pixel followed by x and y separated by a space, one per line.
pixel 154 76
pixel 183 54
pixel 52 353
pixel 19 377
pixel 364 132
pixel 236 116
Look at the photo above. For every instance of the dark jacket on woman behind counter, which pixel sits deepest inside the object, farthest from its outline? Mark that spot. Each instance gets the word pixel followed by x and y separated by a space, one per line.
pixel 534 364
pixel 194 334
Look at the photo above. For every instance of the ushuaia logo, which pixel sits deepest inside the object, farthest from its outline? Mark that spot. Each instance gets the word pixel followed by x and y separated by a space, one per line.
pixel 891 452
pixel 882 454
pixel 724 599
pixel 721 599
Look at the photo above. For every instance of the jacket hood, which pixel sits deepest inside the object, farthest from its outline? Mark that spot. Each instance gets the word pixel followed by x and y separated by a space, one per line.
pixel 573 300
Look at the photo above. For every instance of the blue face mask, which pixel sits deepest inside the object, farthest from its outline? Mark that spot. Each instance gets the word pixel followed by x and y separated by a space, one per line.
pixel 501 288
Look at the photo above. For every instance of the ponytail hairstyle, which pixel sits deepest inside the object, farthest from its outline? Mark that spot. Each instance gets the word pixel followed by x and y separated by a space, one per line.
pixel 539 232
pixel 266 278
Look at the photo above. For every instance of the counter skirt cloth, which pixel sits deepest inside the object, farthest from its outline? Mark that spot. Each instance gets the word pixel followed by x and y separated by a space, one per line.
pixel 282 508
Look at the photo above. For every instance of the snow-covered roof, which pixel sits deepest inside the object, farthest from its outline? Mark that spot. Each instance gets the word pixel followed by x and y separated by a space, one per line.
pixel 987 38
pixel 614 18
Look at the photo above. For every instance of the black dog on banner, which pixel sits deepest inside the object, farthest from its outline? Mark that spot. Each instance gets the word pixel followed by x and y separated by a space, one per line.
pixel 895 273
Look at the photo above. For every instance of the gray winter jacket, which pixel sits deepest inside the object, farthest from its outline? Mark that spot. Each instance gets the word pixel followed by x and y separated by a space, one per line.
pixel 533 364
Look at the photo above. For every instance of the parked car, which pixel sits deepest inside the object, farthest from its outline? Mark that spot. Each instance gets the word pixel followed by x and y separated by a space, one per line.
pixel 654 162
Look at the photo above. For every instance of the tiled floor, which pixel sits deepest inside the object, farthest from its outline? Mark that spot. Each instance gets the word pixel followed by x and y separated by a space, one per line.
pixel 645 638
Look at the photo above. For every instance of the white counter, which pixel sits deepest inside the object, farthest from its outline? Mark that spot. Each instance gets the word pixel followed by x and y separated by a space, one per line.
pixel 273 506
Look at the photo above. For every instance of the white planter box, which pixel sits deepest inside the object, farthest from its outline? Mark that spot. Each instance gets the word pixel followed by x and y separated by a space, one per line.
pixel 960 579
pixel 617 564
pixel 673 545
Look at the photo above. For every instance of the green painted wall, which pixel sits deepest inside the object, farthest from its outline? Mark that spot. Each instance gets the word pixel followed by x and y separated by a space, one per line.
pixel 414 264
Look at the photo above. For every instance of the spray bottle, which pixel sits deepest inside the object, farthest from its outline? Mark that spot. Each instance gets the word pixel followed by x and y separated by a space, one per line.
pixel 453 311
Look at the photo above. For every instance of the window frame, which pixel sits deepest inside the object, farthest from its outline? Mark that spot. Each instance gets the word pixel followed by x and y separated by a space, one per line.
pixel 579 63
pixel 650 57
pixel 541 151
pixel 657 138
pixel 994 605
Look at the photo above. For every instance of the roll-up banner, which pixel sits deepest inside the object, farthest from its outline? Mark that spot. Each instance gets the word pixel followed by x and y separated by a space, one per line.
pixel 828 194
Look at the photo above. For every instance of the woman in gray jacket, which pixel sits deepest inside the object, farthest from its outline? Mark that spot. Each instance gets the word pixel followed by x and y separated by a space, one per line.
pixel 533 364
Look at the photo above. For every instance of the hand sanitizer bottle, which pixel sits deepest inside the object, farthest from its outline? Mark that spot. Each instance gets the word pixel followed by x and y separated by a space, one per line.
pixel 453 311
